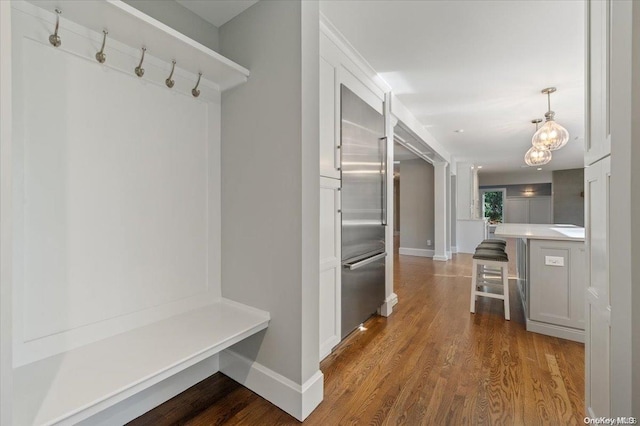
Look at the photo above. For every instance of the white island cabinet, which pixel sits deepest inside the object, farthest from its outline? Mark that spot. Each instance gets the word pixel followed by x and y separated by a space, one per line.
pixel 551 276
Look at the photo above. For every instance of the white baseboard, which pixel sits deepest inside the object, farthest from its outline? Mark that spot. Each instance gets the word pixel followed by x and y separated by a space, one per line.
pixel 135 406
pixel 454 249
pixel 387 307
pixel 556 331
pixel 297 400
pixel 416 252
pixel 441 258
pixel 326 347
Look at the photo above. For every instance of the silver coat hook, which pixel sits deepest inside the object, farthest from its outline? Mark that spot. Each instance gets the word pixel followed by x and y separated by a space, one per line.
pixel 100 56
pixel 195 92
pixel 139 70
pixel 54 38
pixel 169 82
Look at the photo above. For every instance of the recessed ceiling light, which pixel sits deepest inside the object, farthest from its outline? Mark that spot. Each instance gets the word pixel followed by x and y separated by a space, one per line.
pixel 479 167
pixel 539 168
pixel 459 131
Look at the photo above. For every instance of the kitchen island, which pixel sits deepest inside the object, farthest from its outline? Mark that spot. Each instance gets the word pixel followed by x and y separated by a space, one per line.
pixel 550 262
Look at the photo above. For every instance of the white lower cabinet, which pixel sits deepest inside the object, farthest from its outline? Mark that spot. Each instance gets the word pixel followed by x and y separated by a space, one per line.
pixel 330 265
pixel 557 282
pixel 598 312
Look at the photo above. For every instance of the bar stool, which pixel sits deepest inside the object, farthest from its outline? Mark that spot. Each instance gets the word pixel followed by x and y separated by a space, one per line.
pixel 492 244
pixel 495 259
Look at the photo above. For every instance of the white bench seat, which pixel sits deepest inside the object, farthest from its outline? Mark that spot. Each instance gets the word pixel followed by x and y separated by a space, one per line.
pixel 77 384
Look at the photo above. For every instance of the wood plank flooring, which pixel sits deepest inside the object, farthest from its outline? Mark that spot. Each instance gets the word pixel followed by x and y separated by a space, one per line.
pixel 431 362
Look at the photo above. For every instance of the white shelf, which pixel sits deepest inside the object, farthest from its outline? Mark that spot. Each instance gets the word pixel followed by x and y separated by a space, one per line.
pixel 74 385
pixel 131 27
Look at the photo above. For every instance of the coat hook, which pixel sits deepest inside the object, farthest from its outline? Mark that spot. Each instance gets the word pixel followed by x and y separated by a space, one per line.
pixel 195 92
pixel 139 70
pixel 54 38
pixel 169 82
pixel 100 56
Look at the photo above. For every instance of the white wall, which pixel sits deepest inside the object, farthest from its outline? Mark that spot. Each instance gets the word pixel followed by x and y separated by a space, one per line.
pixel 464 186
pixel 514 178
pixel 181 19
pixel 416 204
pixel 6 242
pixel 270 192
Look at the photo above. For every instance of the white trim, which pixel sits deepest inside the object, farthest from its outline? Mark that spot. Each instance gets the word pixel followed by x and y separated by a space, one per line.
pixel 327 28
pixel 140 403
pixel 439 258
pixel 387 307
pixel 555 331
pixel 326 347
pixel 6 212
pixel 164 42
pixel 410 122
pixel 297 400
pixel 454 249
pixel 416 252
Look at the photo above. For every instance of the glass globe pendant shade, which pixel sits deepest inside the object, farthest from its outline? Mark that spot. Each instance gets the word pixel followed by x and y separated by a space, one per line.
pixel 551 136
pixel 537 157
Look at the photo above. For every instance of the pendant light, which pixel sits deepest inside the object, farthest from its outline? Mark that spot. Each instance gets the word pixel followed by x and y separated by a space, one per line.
pixel 536 156
pixel 551 135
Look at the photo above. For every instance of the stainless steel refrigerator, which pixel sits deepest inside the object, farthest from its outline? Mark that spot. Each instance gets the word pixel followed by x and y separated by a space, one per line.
pixel 364 215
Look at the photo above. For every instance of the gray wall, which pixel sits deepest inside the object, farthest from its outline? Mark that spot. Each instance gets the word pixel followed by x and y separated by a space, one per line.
pixel 568 196
pixel 181 19
pixel 416 204
pixel 270 191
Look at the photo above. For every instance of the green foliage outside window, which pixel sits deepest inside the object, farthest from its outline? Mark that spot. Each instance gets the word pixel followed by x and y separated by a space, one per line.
pixel 493 206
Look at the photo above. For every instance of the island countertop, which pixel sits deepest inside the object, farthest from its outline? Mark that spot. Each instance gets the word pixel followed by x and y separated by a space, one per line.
pixel 540 231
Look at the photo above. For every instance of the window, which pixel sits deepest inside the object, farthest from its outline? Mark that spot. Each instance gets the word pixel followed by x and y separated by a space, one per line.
pixel 493 204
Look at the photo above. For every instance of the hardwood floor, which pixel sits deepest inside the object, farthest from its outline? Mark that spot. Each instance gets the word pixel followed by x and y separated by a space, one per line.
pixel 431 362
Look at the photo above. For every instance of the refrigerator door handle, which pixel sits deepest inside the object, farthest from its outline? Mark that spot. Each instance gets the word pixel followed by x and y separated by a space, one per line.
pixel 383 179
pixel 355 265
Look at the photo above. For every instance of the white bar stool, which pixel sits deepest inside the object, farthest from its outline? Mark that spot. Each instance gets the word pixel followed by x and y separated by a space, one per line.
pixel 495 260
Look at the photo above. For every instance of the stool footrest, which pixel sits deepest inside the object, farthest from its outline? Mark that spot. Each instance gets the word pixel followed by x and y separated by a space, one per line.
pixel 492 295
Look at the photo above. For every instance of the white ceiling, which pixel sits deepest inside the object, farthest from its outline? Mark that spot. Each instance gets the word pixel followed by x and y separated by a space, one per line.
pixel 477 66
pixel 218 12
